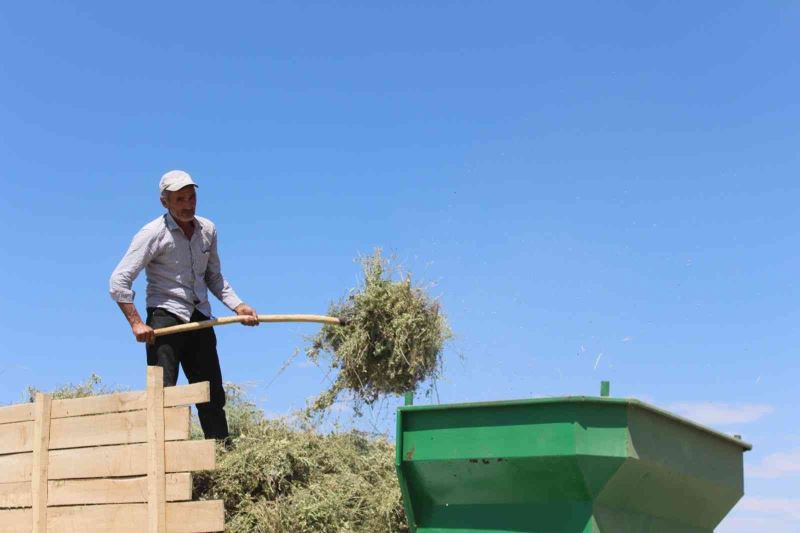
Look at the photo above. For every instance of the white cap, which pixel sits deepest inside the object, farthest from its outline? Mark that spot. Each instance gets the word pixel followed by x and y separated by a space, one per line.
pixel 175 180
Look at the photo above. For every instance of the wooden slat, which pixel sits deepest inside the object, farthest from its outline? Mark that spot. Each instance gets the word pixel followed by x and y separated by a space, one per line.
pixel 129 460
pixel 16 521
pixel 41 447
pixel 131 401
pixel 109 403
pixel 182 517
pixel 110 461
pixel 16 437
pixel 156 477
pixel 126 490
pixel 95 430
pixel 15 495
pixel 96 491
pixel 16 468
pixel 22 412
pixel 116 428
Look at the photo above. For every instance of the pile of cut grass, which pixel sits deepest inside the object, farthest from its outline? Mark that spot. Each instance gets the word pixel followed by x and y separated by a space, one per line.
pixel 277 478
pixel 391 341
pixel 92 386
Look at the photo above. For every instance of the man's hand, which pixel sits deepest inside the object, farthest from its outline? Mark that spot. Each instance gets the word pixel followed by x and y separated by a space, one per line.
pixel 141 331
pixel 144 333
pixel 249 312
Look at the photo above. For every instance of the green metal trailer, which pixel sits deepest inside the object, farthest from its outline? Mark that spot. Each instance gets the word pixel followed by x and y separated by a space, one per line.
pixel 568 464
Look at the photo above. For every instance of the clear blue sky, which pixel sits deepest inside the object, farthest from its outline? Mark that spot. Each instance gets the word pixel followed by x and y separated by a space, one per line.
pixel 577 179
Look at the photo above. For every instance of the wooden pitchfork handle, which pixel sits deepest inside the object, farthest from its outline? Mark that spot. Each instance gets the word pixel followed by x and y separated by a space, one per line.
pixel 192 326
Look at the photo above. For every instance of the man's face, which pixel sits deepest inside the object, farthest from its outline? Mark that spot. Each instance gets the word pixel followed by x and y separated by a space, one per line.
pixel 181 203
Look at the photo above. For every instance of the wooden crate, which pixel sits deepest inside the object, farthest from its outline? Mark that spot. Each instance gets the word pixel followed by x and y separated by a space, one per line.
pixel 112 463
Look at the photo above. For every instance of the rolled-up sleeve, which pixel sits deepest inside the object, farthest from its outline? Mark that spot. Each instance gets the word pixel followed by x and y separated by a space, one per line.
pixel 139 254
pixel 216 282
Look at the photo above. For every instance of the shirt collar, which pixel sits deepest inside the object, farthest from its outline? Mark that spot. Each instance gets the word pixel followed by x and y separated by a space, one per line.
pixel 170 222
pixel 172 225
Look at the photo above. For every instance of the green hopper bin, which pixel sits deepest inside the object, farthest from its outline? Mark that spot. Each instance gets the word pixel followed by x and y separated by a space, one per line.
pixel 570 464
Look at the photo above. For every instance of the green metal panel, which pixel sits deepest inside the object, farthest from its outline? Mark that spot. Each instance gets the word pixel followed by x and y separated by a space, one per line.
pixel 573 464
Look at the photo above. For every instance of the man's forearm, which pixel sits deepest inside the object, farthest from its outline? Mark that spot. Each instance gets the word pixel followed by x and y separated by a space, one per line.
pixel 141 331
pixel 130 312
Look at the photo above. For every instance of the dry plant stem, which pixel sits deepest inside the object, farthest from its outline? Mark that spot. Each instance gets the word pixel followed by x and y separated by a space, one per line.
pixel 192 326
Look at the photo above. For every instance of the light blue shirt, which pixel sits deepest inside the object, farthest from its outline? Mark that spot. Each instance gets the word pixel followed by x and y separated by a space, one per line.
pixel 179 271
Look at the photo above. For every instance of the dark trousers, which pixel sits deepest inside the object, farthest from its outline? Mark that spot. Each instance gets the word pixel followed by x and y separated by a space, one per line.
pixel 196 353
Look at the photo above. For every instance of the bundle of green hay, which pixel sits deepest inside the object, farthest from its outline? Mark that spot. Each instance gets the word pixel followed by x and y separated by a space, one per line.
pixel 278 479
pixel 274 477
pixel 391 340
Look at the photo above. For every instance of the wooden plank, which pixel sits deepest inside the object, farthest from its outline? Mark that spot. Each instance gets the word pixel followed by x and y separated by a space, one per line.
pixel 16 521
pixel 15 495
pixel 22 412
pixel 131 401
pixel 95 430
pixel 16 468
pixel 207 516
pixel 16 437
pixel 156 477
pixel 123 490
pixel 117 428
pixel 96 491
pixel 109 403
pixel 41 447
pixel 129 460
pixel 110 461
pixel 181 517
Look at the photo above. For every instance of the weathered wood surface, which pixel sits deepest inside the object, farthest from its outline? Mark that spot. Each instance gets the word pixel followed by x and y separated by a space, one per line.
pixel 95 430
pixel 96 491
pixel 41 443
pixel 109 403
pixel 22 412
pixel 16 468
pixel 15 495
pixel 182 517
pixel 156 477
pixel 110 461
pixel 16 438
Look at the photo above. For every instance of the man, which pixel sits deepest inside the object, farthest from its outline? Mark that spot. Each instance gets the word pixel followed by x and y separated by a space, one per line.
pixel 178 251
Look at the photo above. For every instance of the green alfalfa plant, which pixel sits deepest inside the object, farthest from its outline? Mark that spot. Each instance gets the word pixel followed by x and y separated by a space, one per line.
pixel 392 339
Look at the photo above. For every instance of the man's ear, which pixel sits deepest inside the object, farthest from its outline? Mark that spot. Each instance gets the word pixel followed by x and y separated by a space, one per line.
pixel 163 201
